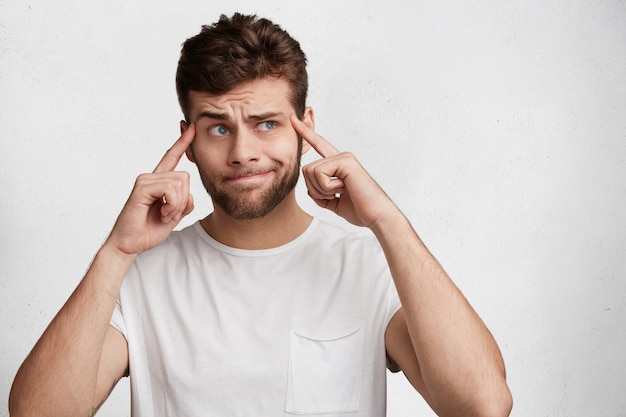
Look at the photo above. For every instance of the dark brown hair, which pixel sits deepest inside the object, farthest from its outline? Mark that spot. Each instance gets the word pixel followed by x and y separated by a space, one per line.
pixel 237 50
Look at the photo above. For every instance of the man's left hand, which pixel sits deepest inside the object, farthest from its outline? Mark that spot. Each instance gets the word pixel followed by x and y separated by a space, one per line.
pixel 338 182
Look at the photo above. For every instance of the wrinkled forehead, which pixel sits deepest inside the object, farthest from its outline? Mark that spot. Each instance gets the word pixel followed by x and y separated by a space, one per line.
pixel 246 100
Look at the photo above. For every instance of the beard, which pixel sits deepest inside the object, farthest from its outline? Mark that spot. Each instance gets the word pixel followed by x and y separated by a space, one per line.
pixel 234 202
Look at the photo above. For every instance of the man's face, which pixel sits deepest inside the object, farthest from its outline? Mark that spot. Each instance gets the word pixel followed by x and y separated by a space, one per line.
pixel 246 150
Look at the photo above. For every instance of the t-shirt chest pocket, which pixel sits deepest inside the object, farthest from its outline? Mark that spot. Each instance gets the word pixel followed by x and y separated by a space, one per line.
pixel 325 373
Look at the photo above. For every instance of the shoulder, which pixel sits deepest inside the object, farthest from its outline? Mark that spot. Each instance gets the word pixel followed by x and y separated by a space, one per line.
pixel 349 243
pixel 183 242
pixel 349 236
pixel 175 258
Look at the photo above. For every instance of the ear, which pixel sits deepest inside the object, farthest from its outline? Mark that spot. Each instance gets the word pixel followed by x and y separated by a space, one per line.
pixel 309 120
pixel 189 151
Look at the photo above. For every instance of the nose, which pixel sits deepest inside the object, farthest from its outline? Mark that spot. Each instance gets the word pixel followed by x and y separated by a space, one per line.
pixel 244 149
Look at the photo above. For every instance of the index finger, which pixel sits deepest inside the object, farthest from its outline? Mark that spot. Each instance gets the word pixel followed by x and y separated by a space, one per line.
pixel 178 149
pixel 321 145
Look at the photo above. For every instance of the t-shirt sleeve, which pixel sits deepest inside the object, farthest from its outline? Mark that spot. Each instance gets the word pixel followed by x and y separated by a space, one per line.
pixel 117 320
pixel 393 305
pixel 393 300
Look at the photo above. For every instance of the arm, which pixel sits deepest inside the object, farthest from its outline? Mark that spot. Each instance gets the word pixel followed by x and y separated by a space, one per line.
pixel 80 357
pixel 437 339
pixel 455 360
pixel 60 374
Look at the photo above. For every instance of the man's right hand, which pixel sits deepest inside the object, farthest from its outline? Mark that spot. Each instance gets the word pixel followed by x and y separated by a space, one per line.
pixel 158 202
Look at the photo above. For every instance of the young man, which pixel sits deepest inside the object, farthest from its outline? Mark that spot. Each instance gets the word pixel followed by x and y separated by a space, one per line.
pixel 258 308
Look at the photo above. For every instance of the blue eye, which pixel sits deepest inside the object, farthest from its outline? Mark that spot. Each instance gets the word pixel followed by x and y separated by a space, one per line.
pixel 219 130
pixel 268 125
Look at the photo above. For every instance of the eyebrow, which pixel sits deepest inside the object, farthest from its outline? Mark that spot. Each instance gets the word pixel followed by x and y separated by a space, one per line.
pixel 211 115
pixel 252 117
pixel 265 116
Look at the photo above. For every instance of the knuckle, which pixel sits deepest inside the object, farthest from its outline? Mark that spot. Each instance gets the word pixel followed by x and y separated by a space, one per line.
pixel 141 179
pixel 171 187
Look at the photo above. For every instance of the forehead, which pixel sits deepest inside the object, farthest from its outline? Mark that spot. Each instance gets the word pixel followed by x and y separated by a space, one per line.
pixel 249 98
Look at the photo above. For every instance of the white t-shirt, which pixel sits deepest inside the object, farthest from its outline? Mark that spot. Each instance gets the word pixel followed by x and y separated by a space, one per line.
pixel 298 329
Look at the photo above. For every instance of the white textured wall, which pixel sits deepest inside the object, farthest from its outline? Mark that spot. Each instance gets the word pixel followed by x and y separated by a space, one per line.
pixel 499 128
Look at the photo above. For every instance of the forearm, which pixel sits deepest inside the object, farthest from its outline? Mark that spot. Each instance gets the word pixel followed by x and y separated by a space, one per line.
pixel 59 375
pixel 459 360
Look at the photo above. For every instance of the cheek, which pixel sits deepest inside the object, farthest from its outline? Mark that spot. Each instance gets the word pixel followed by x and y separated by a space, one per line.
pixel 207 152
pixel 204 160
pixel 284 148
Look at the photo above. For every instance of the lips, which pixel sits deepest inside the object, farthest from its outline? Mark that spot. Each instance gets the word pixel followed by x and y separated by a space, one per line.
pixel 246 175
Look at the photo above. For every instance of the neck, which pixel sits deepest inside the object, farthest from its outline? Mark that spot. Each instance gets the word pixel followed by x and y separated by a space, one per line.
pixel 282 225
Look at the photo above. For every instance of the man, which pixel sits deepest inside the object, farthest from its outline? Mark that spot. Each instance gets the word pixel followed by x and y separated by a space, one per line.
pixel 258 308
